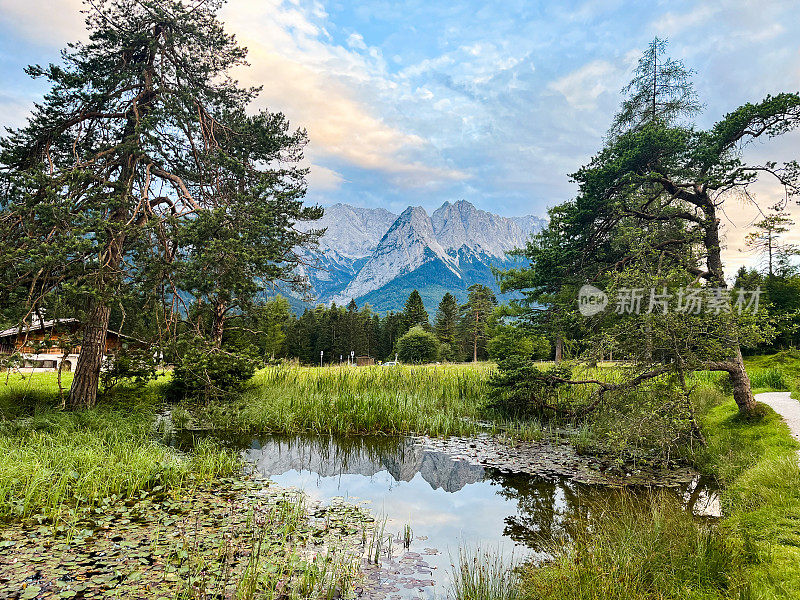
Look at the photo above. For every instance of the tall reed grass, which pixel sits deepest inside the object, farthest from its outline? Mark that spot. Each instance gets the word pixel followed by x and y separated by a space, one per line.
pixel 53 460
pixel 436 400
pixel 484 575
pixel 630 548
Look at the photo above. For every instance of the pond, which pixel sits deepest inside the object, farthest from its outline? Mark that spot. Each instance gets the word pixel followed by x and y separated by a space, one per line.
pixel 448 501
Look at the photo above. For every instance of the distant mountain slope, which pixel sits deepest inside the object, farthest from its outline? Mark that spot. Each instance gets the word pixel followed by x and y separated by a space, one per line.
pixel 351 235
pixel 375 257
pixel 351 231
pixel 461 225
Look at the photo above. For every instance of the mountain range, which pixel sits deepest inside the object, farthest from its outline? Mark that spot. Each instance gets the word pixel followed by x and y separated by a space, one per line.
pixel 373 256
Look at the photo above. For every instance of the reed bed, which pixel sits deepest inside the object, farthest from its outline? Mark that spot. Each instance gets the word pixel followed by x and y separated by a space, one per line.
pixel 484 575
pixel 52 460
pixel 637 548
pixel 435 400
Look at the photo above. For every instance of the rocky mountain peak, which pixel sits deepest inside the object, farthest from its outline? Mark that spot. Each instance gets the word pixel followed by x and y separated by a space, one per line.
pixel 367 251
pixel 461 225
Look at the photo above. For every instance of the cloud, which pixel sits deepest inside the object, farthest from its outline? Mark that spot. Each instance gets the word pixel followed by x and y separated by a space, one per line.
pixel 673 23
pixel 415 102
pixel 323 179
pixel 326 88
pixel 356 40
pixel 582 87
pixel 44 21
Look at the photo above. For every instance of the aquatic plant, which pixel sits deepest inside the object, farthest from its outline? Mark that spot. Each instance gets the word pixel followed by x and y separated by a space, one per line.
pixel 435 399
pixel 484 575
pixel 52 460
pixel 636 547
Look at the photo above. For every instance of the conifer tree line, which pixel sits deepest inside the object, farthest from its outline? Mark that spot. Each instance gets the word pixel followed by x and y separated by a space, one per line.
pixel 455 333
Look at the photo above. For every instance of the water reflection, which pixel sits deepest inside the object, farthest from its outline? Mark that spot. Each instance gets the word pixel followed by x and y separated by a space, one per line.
pixel 334 457
pixel 444 498
pixel 449 502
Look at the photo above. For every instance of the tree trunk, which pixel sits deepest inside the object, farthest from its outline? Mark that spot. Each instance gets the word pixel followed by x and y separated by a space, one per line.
pixel 742 390
pixel 559 348
pixel 83 393
pixel 218 325
pixel 475 340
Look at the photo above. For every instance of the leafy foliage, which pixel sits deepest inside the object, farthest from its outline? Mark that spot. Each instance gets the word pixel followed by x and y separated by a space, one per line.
pixel 418 346
pixel 205 372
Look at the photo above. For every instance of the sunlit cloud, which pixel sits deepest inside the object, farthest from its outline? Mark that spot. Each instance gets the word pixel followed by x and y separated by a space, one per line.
pixel 418 102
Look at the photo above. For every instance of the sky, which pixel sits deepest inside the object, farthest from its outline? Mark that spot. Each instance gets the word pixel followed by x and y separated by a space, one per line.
pixel 418 102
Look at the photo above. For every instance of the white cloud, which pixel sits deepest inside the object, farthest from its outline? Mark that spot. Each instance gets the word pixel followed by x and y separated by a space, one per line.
pixel 44 21
pixel 583 87
pixel 323 179
pixel 328 89
pixel 356 40
pixel 673 23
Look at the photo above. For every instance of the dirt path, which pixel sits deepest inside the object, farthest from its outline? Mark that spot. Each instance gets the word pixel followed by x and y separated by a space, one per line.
pixel 787 407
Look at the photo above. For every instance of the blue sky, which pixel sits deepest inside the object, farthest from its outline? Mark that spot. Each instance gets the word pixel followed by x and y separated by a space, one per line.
pixel 418 102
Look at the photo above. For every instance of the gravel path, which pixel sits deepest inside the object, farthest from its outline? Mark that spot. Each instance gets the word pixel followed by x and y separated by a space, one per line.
pixel 787 407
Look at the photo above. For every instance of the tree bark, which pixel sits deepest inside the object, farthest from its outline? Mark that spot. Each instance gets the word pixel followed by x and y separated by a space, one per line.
pixel 83 393
pixel 742 390
pixel 475 340
pixel 218 325
pixel 559 348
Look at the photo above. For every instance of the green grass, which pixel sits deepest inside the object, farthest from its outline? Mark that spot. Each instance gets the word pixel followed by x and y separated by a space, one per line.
pixel 52 460
pixel 483 575
pixel 633 547
pixel 663 553
pixel 437 400
pixel 775 372
pixel 757 465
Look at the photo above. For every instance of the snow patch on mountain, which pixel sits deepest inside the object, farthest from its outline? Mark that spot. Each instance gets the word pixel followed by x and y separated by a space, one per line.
pixel 409 243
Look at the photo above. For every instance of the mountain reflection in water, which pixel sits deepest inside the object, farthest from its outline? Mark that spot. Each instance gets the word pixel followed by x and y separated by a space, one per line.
pixel 448 500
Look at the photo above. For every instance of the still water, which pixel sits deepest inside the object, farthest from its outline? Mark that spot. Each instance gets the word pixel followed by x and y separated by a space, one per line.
pixel 448 502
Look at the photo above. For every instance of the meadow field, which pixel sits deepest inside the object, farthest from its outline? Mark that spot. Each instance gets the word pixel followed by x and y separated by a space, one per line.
pixel 57 464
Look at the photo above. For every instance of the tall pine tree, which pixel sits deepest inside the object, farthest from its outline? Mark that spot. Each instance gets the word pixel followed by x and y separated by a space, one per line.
pixel 415 313
pixel 128 147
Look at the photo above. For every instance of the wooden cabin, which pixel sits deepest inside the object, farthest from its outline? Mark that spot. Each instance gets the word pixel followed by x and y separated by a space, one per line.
pixel 364 361
pixel 46 344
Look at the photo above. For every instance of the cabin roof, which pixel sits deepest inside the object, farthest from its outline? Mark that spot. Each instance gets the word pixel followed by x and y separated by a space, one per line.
pixel 37 325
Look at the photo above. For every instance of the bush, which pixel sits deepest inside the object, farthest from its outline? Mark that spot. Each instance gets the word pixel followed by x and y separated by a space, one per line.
pixel 447 353
pixel 418 346
pixel 511 341
pixel 128 366
pixel 520 388
pixel 208 373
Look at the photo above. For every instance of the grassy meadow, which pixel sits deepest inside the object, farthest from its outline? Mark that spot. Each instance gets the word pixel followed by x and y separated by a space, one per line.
pixel 53 461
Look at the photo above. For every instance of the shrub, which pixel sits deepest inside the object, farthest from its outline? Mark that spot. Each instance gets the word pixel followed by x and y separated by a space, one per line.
pixel 418 346
pixel 522 388
pixel 511 341
pixel 208 373
pixel 129 365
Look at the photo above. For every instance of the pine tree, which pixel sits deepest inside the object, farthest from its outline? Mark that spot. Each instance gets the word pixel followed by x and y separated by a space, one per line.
pixel 446 320
pixel 140 126
pixel 661 91
pixel 415 313
pixel 476 319
pixel 767 241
